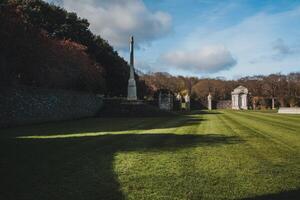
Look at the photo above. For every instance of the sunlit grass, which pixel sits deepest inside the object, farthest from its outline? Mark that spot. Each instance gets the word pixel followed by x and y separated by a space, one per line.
pixel 217 155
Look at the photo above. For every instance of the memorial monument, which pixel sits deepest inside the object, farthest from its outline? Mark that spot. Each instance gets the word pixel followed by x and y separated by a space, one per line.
pixel 187 101
pixel 165 101
pixel 209 102
pixel 131 93
pixel 240 98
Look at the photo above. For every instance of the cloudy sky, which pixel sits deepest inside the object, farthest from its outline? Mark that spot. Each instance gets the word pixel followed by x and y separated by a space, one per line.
pixel 204 38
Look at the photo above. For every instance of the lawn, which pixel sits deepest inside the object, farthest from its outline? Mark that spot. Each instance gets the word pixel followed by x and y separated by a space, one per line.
pixel 208 155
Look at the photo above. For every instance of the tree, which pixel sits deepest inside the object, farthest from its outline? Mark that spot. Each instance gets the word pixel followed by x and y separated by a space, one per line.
pixel 31 57
pixel 262 88
pixel 59 25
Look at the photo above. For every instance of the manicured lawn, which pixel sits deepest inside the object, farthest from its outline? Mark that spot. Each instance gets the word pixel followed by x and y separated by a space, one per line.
pixel 214 155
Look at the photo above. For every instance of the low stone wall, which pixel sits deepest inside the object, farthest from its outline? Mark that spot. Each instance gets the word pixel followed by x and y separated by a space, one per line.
pixel 224 104
pixel 25 105
pixel 289 110
pixel 114 107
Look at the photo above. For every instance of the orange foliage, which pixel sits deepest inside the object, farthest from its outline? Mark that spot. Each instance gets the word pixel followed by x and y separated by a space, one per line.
pixel 30 57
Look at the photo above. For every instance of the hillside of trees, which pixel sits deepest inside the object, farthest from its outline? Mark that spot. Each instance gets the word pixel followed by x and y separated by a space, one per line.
pixel 43 45
pixel 284 88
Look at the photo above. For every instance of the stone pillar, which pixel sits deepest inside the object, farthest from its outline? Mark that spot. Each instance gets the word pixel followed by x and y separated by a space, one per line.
pixel 232 101
pixel 244 104
pixel 187 102
pixel 131 93
pixel 235 101
pixel 209 102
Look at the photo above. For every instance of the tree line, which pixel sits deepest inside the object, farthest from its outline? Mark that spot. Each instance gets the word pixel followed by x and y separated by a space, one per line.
pixel 285 89
pixel 43 45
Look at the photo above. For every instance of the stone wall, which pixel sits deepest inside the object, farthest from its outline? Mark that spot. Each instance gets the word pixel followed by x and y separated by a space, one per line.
pixel 289 110
pixel 25 105
pixel 224 104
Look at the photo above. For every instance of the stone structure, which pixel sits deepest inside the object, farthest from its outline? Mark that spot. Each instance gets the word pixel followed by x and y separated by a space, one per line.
pixel 165 101
pixel 289 110
pixel 26 105
pixel 224 104
pixel 273 103
pixel 209 102
pixel 131 93
pixel 178 97
pixel 187 102
pixel 177 102
pixel 240 98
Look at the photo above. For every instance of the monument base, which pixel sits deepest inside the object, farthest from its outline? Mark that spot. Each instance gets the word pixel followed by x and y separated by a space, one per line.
pixel 132 102
pixel 131 94
pixel 125 108
pixel 289 110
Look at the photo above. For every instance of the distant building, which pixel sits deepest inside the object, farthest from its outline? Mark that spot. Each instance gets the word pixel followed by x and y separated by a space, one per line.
pixel 239 98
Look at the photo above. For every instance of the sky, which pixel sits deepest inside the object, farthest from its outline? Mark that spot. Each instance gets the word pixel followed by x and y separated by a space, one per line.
pixel 202 38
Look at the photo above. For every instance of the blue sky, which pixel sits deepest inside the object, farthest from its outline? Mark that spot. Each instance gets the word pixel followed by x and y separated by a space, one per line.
pixel 203 38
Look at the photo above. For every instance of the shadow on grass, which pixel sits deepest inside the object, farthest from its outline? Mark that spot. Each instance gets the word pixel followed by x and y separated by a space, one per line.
pixel 81 167
pixel 206 112
pixel 92 125
pixel 286 195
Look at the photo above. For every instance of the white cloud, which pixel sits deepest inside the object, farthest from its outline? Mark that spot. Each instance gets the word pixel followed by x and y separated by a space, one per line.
pixel 117 20
pixel 209 59
pixel 252 42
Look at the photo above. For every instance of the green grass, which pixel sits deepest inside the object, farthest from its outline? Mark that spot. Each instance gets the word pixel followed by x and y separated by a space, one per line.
pixel 213 155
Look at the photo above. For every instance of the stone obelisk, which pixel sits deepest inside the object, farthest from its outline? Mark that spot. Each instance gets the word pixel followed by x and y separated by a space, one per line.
pixel 131 93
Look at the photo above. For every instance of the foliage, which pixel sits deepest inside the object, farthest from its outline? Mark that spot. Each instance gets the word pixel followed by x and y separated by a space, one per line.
pixel 30 57
pixel 284 88
pixel 57 24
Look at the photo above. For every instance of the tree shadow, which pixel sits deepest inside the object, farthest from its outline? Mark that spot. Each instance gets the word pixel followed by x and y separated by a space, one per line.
pixel 285 195
pixel 81 167
pixel 206 112
pixel 92 125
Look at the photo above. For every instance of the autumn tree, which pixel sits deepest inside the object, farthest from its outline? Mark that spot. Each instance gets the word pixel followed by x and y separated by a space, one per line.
pixel 262 89
pixel 59 24
pixel 31 57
